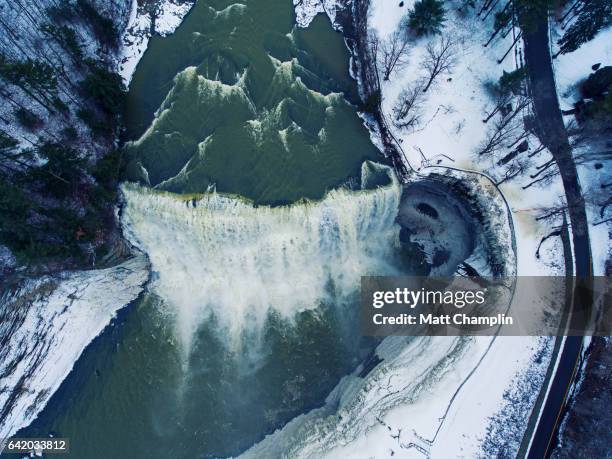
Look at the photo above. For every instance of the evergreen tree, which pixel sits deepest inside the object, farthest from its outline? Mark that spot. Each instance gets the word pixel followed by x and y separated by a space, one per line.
pixel 13 159
pixel 8 144
pixel 372 102
pixel 61 11
pixel 103 27
pixel 511 82
pixel 30 73
pixel 594 16
pixel 36 78
pixel 427 17
pixel 597 84
pixel 15 209
pixel 105 87
pixel 502 19
pixel 598 116
pixel 62 170
pixel 67 38
pixel 532 13
pixel 107 91
pixel 28 119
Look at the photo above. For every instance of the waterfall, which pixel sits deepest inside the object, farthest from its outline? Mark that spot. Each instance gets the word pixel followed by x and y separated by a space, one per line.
pixel 215 254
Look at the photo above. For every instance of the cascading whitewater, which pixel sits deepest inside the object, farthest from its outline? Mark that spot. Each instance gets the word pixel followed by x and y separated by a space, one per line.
pixel 248 102
pixel 220 255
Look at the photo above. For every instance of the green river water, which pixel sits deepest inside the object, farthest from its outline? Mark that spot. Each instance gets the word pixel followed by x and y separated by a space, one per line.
pixel 248 102
pixel 251 315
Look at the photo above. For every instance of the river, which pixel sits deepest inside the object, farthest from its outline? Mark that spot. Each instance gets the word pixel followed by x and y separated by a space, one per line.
pixel 253 193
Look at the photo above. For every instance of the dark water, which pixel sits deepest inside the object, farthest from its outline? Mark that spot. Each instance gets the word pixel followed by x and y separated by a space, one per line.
pixel 258 108
pixel 249 104
pixel 130 397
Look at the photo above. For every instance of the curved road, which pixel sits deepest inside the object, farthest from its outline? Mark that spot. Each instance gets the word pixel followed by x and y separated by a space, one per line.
pixel 551 131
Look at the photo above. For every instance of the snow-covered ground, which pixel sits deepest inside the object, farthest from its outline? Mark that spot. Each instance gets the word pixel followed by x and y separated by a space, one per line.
pixel 23 36
pixel 161 17
pixel 47 323
pixel 306 10
pixel 432 396
pixel 452 129
pixel 429 395
pixel 451 134
pixel 453 416
pixel 571 69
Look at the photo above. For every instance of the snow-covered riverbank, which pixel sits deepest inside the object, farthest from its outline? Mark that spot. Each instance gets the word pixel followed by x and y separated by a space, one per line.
pixel 432 396
pixel 161 17
pixel 436 396
pixel 439 397
pixel 47 323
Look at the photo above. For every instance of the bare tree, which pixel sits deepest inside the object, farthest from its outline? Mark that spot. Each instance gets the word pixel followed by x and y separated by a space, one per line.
pixel 507 130
pixel 407 109
pixel 372 50
pixel 439 58
pixel 499 135
pixel 373 44
pixel 516 169
pixel 502 101
pixel 393 53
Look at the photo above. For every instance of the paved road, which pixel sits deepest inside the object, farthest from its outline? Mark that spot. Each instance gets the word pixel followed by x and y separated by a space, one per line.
pixel 553 134
pixel 549 121
pixel 544 436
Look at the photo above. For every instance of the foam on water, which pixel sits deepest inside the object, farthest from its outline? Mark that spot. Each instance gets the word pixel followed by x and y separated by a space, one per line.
pixel 220 255
pixel 271 103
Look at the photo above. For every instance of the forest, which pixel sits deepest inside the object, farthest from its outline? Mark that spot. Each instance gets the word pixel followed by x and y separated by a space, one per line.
pixel 60 123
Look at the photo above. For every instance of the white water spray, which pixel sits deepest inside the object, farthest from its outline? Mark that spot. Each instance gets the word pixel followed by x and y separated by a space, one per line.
pixel 221 255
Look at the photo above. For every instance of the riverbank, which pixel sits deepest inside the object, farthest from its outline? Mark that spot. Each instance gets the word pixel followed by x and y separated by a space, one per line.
pixel 425 394
pixel 60 120
pixel 383 428
pixel 50 311
pixel 177 351
pixel 391 141
pixel 146 20
pixel 46 325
